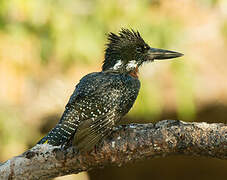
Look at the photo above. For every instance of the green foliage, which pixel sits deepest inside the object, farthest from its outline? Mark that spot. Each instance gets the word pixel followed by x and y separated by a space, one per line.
pixel 11 130
pixel 184 82
pixel 224 31
pixel 209 3
pixel 73 30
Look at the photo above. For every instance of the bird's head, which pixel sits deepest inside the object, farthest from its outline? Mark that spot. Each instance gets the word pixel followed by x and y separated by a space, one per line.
pixel 127 51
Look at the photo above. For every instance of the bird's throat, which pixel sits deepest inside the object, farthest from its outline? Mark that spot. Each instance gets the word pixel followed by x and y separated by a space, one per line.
pixel 134 73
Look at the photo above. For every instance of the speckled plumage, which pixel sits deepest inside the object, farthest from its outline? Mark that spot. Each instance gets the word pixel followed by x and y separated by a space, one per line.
pixel 101 99
pixel 97 104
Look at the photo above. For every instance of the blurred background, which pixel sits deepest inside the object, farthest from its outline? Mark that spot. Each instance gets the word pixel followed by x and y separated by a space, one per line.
pixel 46 46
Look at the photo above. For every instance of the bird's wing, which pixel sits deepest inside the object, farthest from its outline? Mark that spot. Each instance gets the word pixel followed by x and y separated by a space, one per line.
pixel 96 100
pixel 91 131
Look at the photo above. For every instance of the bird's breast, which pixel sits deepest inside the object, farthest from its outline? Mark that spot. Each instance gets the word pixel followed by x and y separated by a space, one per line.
pixel 134 73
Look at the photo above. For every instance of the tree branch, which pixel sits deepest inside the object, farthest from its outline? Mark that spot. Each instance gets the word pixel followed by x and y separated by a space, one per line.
pixel 126 144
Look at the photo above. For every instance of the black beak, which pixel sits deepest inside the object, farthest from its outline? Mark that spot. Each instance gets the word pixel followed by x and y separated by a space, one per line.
pixel 161 54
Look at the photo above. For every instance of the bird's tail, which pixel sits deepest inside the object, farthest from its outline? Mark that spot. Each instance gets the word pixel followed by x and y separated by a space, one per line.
pixel 60 135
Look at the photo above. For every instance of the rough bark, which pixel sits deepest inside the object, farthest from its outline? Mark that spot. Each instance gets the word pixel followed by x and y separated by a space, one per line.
pixel 128 143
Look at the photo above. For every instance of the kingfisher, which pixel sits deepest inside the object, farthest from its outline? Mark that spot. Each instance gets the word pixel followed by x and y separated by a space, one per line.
pixel 101 99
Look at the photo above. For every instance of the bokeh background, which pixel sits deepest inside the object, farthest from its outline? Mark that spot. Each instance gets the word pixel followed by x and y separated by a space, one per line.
pixel 46 46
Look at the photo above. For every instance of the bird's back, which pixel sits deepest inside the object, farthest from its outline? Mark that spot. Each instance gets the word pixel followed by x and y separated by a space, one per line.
pixel 97 104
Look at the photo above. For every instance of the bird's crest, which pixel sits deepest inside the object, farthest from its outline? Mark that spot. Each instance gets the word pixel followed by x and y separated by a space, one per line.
pixel 121 45
pixel 125 37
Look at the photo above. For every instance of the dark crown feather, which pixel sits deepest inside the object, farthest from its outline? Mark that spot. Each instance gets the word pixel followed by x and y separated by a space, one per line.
pixel 117 43
pixel 125 36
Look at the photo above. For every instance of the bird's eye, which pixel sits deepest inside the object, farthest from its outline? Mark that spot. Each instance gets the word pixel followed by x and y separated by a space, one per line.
pixel 146 48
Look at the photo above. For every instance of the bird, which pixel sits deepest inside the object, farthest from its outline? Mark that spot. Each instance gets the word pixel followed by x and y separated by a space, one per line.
pixel 101 99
